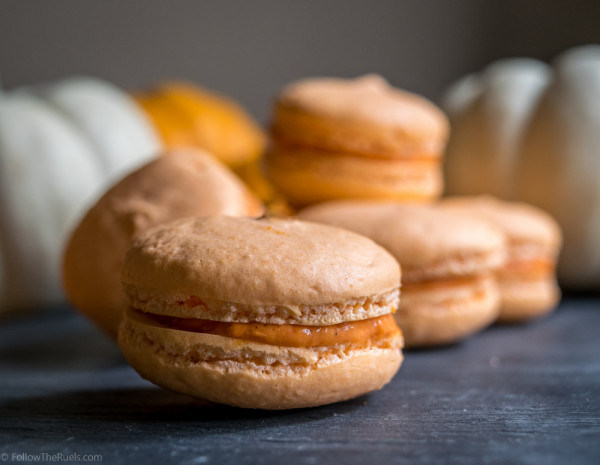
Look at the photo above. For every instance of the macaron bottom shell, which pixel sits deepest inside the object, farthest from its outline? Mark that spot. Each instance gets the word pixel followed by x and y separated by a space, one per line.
pixel 447 312
pixel 526 298
pixel 307 176
pixel 252 375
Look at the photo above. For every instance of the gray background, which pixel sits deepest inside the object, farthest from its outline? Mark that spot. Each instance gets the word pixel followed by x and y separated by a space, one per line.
pixel 249 49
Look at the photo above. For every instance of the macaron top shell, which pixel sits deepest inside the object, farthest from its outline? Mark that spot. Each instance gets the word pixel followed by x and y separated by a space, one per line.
pixel 369 100
pixel 428 242
pixel 520 222
pixel 256 262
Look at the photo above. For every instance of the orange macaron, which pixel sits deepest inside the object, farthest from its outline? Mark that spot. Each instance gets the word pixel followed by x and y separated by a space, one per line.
pixel 528 279
pixel 355 138
pixel 448 262
pixel 261 313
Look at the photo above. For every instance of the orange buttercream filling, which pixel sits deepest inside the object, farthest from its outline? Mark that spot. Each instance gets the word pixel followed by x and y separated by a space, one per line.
pixel 529 267
pixel 285 335
pixel 439 284
pixel 281 145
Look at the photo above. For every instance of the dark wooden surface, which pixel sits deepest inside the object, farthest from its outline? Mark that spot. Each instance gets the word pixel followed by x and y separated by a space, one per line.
pixel 514 395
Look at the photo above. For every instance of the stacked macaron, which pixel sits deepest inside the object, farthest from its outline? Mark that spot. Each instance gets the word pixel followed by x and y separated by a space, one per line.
pixel 527 280
pixel 262 313
pixel 355 138
pixel 448 262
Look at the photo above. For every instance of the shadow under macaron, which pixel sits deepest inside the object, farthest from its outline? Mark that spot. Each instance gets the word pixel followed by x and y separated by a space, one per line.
pixel 143 406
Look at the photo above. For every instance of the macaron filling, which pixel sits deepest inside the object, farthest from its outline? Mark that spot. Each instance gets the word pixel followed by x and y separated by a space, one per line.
pixel 284 335
pixel 533 268
pixel 423 156
pixel 455 282
pixel 441 293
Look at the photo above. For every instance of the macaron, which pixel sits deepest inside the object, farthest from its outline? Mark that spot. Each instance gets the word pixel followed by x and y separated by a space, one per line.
pixel 177 184
pixel 528 278
pixel 448 261
pixel 261 313
pixel 355 138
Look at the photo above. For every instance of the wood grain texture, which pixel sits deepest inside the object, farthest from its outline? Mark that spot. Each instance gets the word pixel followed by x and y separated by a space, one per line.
pixel 520 395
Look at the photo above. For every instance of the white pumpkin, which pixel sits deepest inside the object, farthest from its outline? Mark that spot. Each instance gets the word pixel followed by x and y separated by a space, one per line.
pixel 488 113
pixel 48 171
pixel 116 126
pixel 559 162
pixel 56 159
pixel 522 131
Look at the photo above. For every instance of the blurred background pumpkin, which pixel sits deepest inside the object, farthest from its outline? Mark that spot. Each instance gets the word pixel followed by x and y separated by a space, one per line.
pixel 61 145
pixel 526 131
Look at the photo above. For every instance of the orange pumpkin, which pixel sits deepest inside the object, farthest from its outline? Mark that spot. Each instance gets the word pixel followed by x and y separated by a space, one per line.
pixel 188 116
